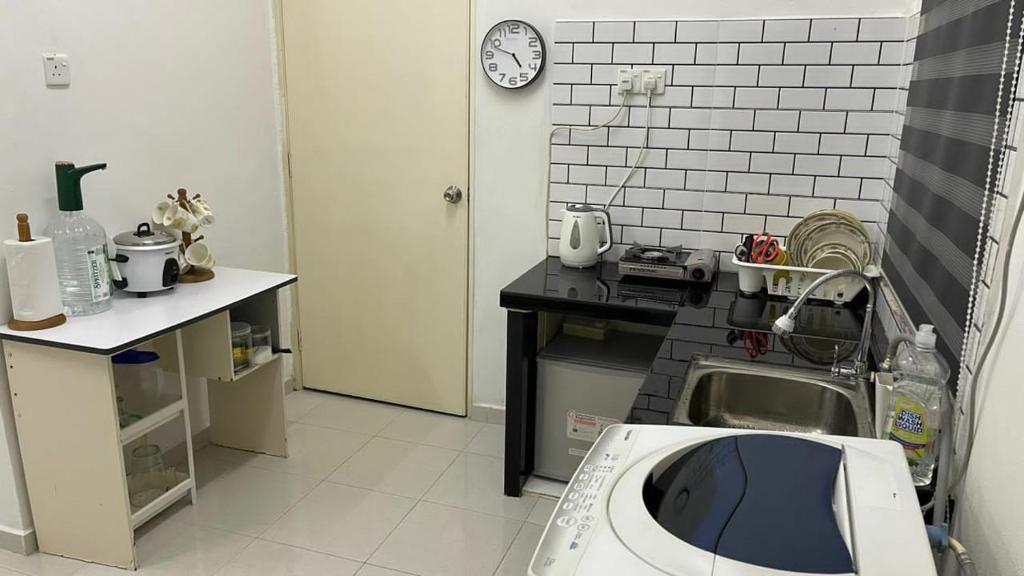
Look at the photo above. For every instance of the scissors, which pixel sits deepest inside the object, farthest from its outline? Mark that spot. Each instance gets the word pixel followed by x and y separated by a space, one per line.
pixel 765 249
pixel 755 343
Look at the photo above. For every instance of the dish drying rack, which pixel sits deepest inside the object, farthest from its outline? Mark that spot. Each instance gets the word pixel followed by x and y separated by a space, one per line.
pixel 791 281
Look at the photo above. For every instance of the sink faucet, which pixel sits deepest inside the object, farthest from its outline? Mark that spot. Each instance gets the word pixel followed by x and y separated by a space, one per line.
pixel 859 371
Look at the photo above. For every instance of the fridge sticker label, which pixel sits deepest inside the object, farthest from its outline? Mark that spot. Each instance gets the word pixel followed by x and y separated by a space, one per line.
pixel 577 452
pixel 99 273
pixel 586 427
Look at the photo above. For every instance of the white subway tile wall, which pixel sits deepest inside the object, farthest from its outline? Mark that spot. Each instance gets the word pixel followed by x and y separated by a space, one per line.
pixel 762 122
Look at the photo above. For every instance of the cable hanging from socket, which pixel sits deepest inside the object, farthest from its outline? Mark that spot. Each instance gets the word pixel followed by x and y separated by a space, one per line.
pixel 649 84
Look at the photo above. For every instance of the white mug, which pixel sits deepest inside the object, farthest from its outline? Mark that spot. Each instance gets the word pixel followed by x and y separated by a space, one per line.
pixel 165 212
pixel 185 221
pixel 201 210
pixel 198 254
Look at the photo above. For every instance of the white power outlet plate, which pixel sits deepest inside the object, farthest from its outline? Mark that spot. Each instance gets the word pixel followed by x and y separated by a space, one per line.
pixel 56 70
pixel 635 78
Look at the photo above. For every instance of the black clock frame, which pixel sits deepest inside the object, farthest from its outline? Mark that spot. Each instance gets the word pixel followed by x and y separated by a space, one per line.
pixel 543 56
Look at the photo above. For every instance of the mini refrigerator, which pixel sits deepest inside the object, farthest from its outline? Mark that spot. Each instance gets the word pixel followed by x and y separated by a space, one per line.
pixel 584 386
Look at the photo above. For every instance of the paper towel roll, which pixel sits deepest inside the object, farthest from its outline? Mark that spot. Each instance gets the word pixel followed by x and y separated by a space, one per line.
pixel 32 272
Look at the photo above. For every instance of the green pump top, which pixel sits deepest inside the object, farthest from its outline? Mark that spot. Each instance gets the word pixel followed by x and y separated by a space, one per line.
pixel 69 184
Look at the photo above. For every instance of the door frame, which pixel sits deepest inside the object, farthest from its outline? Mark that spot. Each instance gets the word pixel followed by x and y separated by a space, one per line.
pixel 295 333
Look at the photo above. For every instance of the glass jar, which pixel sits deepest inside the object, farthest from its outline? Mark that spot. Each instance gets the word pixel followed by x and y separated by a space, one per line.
pixel 147 480
pixel 241 344
pixel 262 345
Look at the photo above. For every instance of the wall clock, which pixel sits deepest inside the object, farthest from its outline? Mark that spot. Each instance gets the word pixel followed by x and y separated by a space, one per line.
pixel 513 54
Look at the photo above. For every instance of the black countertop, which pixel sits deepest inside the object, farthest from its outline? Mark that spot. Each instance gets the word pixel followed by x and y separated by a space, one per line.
pixel 714 319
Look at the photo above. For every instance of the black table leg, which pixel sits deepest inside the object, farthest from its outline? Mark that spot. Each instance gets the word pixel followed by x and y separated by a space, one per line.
pixel 520 399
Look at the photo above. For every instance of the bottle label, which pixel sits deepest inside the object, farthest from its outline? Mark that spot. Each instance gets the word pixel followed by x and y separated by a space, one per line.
pixel 910 428
pixel 99 273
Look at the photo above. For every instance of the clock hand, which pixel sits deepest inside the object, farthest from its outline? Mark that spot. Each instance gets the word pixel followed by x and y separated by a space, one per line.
pixel 512 54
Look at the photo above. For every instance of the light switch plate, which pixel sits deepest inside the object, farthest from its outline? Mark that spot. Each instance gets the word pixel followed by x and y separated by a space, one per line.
pixel 56 70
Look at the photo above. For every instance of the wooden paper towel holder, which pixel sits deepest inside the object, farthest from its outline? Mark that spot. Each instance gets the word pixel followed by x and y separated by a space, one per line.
pixel 25 235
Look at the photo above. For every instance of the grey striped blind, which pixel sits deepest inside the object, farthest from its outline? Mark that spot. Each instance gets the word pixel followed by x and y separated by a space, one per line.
pixel 966 53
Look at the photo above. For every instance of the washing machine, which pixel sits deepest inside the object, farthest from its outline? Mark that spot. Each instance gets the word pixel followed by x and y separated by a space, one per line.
pixel 688 501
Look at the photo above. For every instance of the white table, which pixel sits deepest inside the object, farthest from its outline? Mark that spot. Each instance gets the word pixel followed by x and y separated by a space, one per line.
pixel 66 412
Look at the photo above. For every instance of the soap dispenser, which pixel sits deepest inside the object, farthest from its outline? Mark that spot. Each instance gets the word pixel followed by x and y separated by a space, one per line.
pixel 80 244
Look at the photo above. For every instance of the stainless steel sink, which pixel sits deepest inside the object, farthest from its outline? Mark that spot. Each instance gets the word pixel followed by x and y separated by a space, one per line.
pixel 725 393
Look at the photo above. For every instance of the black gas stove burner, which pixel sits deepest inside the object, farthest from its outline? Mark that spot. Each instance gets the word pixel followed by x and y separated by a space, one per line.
pixel 655 254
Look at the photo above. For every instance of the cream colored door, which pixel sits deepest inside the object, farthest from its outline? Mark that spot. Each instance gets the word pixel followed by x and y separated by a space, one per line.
pixel 378 116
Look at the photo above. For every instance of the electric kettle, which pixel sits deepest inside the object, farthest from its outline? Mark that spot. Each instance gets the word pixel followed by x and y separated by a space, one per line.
pixel 581 244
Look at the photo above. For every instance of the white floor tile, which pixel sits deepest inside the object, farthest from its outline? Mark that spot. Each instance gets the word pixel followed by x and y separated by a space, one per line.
pixel 368 570
pixel 541 513
pixel 517 559
pixel 242 498
pixel 490 441
pixel 263 558
pixel 395 467
pixel 432 429
pixel 436 540
pixel 340 520
pixel 178 549
pixel 298 402
pixel 352 414
pixel 475 482
pixel 313 451
pixel 39 564
pixel 6 572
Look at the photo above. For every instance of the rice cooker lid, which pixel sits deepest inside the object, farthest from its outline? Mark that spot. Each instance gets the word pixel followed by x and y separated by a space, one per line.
pixel 145 237
pixel 761 499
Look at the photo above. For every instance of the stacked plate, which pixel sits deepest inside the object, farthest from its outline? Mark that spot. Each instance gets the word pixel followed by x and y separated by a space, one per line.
pixel 830 240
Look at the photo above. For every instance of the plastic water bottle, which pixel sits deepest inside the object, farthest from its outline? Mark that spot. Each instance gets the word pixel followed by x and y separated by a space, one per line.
pixel 915 411
pixel 83 271
pixel 80 245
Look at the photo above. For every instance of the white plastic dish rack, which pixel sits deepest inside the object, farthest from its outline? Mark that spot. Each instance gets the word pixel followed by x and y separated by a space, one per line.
pixel 791 281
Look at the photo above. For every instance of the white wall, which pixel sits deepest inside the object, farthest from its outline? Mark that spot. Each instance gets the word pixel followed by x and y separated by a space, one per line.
pixel 170 93
pixel 510 146
pixel 990 513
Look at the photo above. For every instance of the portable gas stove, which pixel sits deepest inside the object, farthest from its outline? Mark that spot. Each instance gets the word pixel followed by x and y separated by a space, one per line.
pixel 672 263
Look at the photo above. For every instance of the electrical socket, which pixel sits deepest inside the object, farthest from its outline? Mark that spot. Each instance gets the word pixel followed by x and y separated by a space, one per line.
pixel 630 81
pixel 640 80
pixel 56 70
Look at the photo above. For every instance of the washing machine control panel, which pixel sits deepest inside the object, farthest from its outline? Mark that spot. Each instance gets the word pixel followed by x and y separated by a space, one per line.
pixel 583 506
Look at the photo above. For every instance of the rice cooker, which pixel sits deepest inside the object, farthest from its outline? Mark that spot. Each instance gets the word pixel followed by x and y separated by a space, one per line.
pixel 147 260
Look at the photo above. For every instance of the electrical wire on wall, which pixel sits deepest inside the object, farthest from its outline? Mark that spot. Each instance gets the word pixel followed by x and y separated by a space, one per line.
pixel 570 129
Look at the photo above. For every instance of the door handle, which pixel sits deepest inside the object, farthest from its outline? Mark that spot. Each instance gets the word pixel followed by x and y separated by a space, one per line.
pixel 453 195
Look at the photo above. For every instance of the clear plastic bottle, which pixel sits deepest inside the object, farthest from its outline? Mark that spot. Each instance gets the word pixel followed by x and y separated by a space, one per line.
pixel 80 245
pixel 920 375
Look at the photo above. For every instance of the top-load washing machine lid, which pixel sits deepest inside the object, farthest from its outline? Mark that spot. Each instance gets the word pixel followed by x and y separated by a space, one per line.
pixel 738 497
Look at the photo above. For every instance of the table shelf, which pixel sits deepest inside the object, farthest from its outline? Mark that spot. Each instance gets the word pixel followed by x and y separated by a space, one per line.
pixel 157 506
pixel 152 421
pixel 254 367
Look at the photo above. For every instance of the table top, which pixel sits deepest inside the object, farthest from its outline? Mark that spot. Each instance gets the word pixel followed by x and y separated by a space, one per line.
pixel 134 320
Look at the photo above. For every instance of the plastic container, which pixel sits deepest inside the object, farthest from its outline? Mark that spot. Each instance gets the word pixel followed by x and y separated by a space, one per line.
pixel 241 345
pixel 139 380
pixel 262 345
pixel 920 375
pixel 791 281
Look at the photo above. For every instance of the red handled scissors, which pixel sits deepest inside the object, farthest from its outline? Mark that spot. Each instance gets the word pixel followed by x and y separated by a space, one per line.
pixel 755 343
pixel 765 249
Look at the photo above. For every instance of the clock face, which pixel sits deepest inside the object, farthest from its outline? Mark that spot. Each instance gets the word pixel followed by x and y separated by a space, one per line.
pixel 512 54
